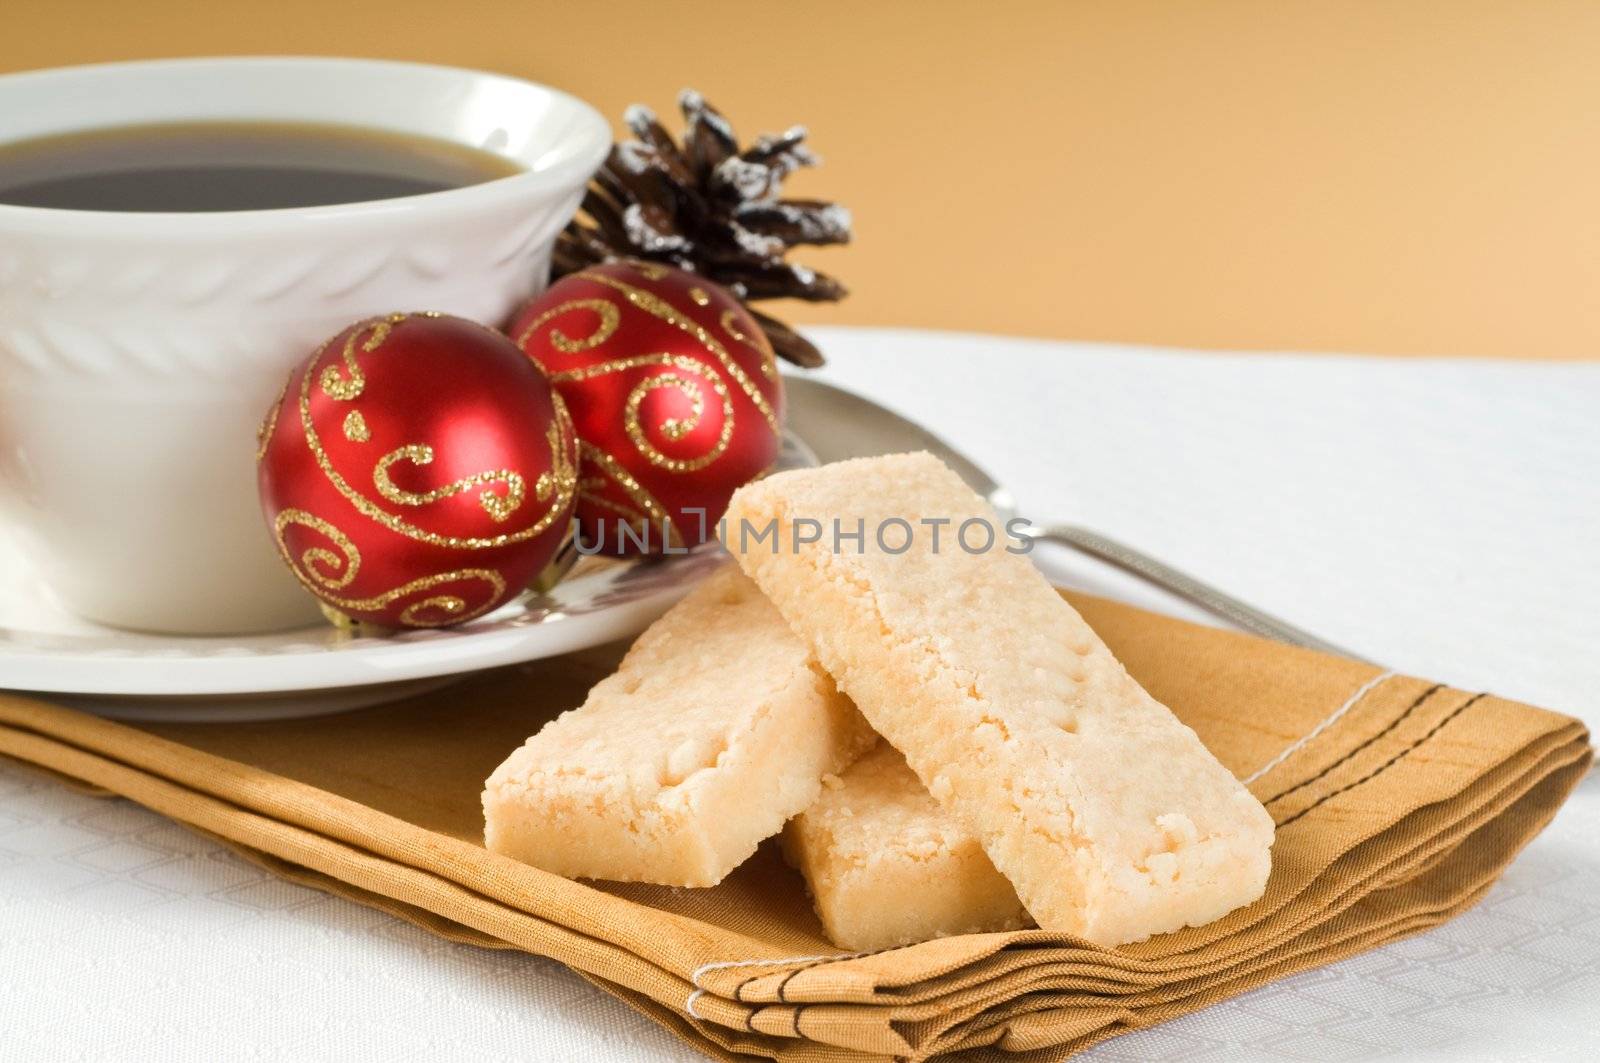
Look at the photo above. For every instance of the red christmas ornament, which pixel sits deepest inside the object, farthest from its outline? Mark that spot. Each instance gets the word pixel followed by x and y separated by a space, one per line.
pixel 674 393
pixel 417 471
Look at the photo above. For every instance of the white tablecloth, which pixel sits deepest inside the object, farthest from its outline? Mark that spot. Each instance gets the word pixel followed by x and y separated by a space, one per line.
pixel 1438 516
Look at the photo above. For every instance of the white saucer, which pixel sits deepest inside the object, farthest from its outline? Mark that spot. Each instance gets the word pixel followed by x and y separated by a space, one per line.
pixel 320 669
pixel 316 669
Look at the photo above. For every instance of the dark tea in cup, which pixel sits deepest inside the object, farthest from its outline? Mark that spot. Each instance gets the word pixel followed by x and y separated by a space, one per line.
pixel 187 167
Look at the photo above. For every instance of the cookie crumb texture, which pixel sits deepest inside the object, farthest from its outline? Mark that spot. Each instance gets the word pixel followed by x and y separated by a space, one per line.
pixel 887 866
pixel 1108 815
pixel 716 728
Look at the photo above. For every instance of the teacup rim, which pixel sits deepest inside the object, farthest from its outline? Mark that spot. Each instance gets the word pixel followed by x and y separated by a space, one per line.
pixel 566 174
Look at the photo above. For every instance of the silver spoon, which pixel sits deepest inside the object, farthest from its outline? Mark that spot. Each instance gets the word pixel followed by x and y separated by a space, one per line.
pixel 837 424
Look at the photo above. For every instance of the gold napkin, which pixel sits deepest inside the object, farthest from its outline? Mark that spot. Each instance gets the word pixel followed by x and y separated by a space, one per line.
pixel 1398 802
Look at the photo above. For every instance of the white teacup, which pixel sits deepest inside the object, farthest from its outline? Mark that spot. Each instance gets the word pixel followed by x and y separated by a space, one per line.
pixel 138 352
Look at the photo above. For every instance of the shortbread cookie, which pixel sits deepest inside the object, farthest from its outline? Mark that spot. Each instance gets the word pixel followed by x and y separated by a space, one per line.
pixel 887 866
pixel 717 727
pixel 1110 818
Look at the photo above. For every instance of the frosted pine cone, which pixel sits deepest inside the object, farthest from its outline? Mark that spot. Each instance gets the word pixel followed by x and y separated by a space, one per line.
pixel 712 209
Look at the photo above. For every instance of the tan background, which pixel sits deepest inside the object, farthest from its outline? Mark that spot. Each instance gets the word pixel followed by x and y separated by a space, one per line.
pixel 1395 177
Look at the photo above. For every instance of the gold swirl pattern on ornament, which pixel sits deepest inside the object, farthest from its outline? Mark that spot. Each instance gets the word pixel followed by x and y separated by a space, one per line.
pixel 270 423
pixel 610 318
pixel 452 606
pixel 355 427
pixel 498 506
pixel 561 479
pixel 348 386
pixel 341 567
pixel 660 308
pixel 336 572
pixel 769 364
pixel 673 428
pixel 648 507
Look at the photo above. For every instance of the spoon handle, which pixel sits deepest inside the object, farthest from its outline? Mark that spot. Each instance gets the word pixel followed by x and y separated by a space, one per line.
pixel 1163 575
